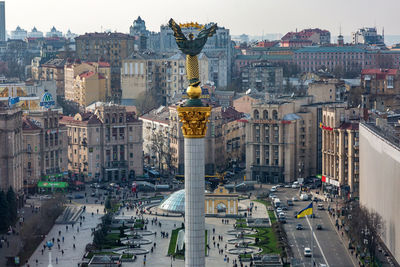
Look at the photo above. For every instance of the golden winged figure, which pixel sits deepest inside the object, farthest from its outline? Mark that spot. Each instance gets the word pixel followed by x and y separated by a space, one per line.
pixel 192 46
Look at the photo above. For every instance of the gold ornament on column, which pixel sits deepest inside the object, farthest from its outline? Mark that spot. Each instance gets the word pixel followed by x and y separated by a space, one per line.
pixel 194 121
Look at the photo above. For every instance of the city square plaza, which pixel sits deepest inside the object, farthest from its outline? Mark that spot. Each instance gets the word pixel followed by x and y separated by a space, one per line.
pixel 73 256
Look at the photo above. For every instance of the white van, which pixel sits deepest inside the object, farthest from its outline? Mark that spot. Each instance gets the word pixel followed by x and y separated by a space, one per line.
pixel 304 197
pixel 295 185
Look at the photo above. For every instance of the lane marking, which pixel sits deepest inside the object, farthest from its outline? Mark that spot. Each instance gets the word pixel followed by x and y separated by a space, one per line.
pixel 322 252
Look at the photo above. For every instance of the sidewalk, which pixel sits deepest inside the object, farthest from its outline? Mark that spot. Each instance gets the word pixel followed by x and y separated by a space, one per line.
pixel 78 235
pixel 13 244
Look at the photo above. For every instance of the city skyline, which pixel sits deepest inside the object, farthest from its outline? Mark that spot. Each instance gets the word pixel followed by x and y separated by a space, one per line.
pixel 255 20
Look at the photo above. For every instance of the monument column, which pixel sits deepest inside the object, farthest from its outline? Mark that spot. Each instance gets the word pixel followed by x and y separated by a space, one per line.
pixel 194 120
pixel 194 117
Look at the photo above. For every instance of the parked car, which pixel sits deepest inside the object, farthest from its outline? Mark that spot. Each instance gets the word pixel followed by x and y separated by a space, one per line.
pixel 283 207
pixel 273 189
pixel 78 196
pixel 299 226
pixel 294 199
pixel 278 210
pixel 290 202
pixel 319 227
pixel 282 219
pixel 321 206
pixel 307 252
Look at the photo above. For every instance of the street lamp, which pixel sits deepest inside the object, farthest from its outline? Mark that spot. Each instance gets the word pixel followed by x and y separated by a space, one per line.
pixel 49 244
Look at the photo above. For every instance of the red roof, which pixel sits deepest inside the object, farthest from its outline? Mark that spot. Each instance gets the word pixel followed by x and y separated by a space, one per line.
pixel 27 125
pixel 103 64
pixel 379 71
pixel 86 74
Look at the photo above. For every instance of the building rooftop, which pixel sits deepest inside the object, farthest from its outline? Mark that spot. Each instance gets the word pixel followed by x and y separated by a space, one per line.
pixel 331 49
pixel 160 114
pixel 112 35
pixel 55 62
pixel 380 73
pixel 29 125
pixel 231 114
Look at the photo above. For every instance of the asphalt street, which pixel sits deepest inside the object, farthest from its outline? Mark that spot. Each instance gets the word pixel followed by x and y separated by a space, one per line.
pixel 327 246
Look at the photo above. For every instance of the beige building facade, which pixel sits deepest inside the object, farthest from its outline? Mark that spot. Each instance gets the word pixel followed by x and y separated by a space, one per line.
pixel 379 179
pixel 105 144
pixel 89 87
pixel 11 152
pixel 280 141
pixel 327 90
pixel 45 146
pixel 72 70
pixel 340 150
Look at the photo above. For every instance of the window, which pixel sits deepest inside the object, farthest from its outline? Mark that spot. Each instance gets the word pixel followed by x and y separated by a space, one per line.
pixel 131 155
pixel 390 81
pixel 130 128
pixel 256 114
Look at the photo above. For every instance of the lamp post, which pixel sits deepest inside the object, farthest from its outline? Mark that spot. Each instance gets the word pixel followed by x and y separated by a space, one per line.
pixel 49 244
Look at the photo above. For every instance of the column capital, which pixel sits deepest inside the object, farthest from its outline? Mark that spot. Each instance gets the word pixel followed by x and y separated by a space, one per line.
pixel 194 121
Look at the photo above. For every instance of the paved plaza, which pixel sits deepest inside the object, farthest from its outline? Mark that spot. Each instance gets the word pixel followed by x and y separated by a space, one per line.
pixel 72 256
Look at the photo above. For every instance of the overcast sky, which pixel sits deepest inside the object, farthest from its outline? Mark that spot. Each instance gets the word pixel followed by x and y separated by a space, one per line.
pixel 252 17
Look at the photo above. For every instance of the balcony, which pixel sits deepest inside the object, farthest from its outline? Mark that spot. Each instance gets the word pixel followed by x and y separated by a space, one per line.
pixel 117 164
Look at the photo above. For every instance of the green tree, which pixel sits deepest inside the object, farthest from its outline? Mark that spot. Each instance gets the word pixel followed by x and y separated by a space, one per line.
pixel 12 205
pixel 4 214
pixel 107 205
pixel 98 238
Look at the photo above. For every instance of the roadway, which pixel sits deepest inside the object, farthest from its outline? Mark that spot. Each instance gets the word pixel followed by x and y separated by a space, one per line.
pixel 327 246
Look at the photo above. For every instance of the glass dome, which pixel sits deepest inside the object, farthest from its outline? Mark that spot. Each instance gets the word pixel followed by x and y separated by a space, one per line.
pixel 175 202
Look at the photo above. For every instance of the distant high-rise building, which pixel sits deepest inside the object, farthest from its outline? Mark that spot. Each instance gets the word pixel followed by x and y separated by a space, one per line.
pixel 368 36
pixel 54 33
pixel 2 21
pixel 19 34
pixel 35 33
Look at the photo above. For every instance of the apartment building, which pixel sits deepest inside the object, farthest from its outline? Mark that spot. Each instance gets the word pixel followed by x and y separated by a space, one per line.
pixel 164 73
pixel 88 87
pixel 105 144
pixel 327 90
pixel 340 149
pixel 52 70
pixel 73 69
pixel 280 141
pixel 381 89
pixel 234 131
pixel 262 77
pixel 306 37
pixel 11 152
pixel 112 48
pixel 45 147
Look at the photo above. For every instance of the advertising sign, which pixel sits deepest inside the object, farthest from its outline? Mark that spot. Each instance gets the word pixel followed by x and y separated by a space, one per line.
pixel 47 100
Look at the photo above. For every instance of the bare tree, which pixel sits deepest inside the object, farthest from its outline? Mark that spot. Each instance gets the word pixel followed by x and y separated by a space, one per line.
pixel 147 101
pixel 366 228
pixel 160 147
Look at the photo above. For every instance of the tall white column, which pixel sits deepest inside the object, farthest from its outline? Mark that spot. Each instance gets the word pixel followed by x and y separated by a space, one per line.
pixel 194 203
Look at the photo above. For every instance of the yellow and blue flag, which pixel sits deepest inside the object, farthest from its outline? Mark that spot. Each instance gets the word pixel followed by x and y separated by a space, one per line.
pixel 306 211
